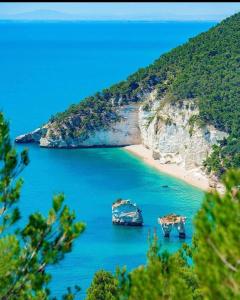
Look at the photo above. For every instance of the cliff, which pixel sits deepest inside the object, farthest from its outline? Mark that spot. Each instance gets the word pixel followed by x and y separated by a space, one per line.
pixel 171 131
pixel 173 134
pixel 179 107
pixel 123 132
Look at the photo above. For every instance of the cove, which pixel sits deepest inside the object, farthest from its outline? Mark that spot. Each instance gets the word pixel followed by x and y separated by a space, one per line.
pixel 45 67
pixel 92 179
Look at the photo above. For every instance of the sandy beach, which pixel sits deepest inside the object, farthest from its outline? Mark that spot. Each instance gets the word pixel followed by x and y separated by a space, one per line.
pixel 192 177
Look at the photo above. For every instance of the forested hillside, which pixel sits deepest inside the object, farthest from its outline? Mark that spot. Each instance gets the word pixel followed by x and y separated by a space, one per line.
pixel 206 68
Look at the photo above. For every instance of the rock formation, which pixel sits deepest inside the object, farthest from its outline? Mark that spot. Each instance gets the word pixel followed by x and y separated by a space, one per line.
pixel 170 130
pixel 126 213
pixel 124 132
pixel 170 221
pixel 178 107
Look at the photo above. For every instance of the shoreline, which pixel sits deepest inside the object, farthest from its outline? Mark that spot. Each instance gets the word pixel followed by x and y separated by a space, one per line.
pixel 192 177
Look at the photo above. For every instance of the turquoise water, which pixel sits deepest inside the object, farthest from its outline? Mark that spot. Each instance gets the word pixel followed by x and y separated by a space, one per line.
pixel 44 67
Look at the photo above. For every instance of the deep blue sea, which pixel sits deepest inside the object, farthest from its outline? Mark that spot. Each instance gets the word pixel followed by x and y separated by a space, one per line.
pixel 45 67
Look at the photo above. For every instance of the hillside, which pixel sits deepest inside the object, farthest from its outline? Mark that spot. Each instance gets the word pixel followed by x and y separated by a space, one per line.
pixel 205 71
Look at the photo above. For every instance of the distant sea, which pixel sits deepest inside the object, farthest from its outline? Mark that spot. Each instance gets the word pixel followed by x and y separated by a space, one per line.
pixel 45 67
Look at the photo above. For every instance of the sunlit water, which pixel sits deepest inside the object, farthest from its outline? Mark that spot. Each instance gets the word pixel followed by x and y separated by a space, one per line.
pixel 44 67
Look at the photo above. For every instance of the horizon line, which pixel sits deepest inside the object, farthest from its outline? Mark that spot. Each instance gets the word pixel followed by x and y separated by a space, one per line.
pixel 109 20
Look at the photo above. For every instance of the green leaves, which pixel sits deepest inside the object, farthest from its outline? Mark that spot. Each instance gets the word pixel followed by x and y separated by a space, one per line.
pixel 103 287
pixel 224 157
pixel 57 202
pixel 165 276
pixel 217 254
pixel 43 241
pixel 24 157
pixel 205 68
pixel 10 187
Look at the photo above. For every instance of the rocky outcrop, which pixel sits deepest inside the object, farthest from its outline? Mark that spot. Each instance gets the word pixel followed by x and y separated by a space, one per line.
pixel 31 137
pixel 174 134
pixel 172 131
pixel 133 112
pixel 121 133
pixel 126 213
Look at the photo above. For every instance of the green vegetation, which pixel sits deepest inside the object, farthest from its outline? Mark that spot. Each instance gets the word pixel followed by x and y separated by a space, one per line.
pixel 216 253
pixel 103 287
pixel 146 106
pixel 164 277
pixel 224 156
pixel 91 114
pixel 27 252
pixel 205 69
pixel 195 120
pixel 215 271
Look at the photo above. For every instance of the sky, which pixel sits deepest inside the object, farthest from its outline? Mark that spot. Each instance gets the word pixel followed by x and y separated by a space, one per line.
pixel 199 11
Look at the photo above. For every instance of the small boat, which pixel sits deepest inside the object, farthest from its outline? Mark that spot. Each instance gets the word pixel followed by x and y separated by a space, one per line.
pixel 126 213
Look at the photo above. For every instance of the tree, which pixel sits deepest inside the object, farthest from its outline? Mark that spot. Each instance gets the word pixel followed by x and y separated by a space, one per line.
pixel 217 241
pixel 215 271
pixel 205 69
pixel 165 276
pixel 103 287
pixel 26 252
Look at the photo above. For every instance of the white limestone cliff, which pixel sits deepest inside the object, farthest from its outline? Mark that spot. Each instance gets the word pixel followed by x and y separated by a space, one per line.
pixel 166 129
pixel 122 133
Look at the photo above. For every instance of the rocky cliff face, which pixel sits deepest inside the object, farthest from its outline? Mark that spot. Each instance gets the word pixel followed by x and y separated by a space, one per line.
pixel 121 115
pixel 171 131
pixel 32 137
pixel 121 133
pixel 174 134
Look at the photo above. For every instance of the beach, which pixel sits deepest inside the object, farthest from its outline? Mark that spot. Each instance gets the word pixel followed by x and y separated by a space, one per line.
pixel 192 177
pixel 90 58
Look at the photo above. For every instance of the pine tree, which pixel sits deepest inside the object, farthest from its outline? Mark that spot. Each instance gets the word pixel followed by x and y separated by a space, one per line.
pixel 217 241
pixel 208 270
pixel 26 252
pixel 103 287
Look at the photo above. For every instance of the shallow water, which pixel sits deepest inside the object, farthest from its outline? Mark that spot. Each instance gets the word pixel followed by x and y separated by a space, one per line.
pixel 44 67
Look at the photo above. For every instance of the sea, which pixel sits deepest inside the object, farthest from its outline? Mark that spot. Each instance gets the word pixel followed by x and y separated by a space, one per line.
pixel 45 67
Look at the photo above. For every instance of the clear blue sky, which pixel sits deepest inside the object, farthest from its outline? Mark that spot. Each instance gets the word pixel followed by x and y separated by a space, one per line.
pixel 129 11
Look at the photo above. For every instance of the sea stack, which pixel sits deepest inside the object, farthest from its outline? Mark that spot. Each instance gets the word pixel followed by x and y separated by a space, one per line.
pixel 126 213
pixel 170 221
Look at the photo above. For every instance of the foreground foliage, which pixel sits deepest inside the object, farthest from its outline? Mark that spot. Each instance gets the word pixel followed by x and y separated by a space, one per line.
pixel 27 252
pixel 103 287
pixel 215 272
pixel 217 240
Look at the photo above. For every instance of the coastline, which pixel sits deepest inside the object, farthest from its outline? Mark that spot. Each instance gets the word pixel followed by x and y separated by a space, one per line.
pixel 191 177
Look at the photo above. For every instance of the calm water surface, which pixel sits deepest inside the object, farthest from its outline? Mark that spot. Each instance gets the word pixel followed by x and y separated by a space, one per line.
pixel 44 67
